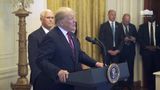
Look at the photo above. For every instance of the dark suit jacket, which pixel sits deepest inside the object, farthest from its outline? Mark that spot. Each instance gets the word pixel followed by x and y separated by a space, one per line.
pixel 34 40
pixel 143 36
pixel 106 36
pixel 132 32
pixel 55 54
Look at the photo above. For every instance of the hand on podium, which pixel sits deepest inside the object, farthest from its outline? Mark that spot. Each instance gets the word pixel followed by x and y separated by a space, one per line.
pixel 63 75
pixel 99 65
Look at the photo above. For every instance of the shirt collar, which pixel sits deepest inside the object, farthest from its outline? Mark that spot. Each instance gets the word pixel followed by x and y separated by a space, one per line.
pixel 125 25
pixel 152 22
pixel 63 30
pixel 111 22
pixel 45 30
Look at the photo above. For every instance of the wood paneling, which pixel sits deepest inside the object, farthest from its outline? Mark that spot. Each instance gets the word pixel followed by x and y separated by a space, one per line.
pixel 153 5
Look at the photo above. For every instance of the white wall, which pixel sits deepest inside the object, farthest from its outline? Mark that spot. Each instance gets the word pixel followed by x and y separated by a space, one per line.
pixel 9 36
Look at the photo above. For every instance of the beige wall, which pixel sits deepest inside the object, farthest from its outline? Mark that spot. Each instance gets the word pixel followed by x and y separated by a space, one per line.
pixel 9 37
pixel 8 45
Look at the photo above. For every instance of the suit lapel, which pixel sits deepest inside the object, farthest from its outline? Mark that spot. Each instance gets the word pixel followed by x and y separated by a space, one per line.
pixel 130 31
pixel 157 28
pixel 147 33
pixel 75 46
pixel 41 34
pixel 116 32
pixel 110 29
pixel 65 42
pixel 157 32
pixel 63 38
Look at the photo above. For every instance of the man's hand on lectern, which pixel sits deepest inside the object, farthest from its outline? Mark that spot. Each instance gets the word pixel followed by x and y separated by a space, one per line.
pixel 99 64
pixel 63 75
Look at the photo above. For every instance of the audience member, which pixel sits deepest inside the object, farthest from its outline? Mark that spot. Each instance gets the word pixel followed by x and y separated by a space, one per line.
pixel 112 37
pixel 149 41
pixel 128 51
pixel 34 40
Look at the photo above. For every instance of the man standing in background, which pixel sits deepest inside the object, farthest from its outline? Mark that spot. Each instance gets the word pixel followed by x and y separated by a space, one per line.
pixel 34 40
pixel 128 51
pixel 149 41
pixel 111 36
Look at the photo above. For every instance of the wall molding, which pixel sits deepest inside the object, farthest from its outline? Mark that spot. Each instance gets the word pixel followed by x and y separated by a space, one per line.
pixel 8 72
pixel 137 83
pixel 8 55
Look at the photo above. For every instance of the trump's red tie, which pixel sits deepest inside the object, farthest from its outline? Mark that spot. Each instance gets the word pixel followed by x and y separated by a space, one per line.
pixel 71 42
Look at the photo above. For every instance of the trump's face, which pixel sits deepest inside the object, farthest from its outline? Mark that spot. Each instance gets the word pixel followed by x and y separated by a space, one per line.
pixel 69 22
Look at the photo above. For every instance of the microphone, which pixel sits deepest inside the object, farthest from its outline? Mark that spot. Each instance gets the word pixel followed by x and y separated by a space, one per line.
pixel 89 39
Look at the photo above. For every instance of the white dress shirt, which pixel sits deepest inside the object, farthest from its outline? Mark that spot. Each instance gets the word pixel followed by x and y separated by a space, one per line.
pixel 154 28
pixel 45 30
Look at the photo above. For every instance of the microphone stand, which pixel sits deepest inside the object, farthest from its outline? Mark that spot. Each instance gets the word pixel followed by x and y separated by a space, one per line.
pixel 101 45
pixel 103 49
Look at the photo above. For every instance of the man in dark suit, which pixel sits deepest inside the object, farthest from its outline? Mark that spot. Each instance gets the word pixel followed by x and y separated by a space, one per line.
pixel 149 40
pixel 111 36
pixel 128 51
pixel 60 53
pixel 34 40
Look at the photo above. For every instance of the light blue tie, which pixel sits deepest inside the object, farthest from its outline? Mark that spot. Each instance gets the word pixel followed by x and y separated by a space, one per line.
pixel 113 32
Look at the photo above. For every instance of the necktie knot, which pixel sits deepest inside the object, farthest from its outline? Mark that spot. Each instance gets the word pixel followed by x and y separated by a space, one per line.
pixel 69 33
pixel 70 40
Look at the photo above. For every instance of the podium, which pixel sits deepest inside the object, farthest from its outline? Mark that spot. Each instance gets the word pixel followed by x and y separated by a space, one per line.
pixel 95 78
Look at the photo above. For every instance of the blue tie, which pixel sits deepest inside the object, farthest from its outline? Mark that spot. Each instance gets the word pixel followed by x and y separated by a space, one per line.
pixel 113 32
